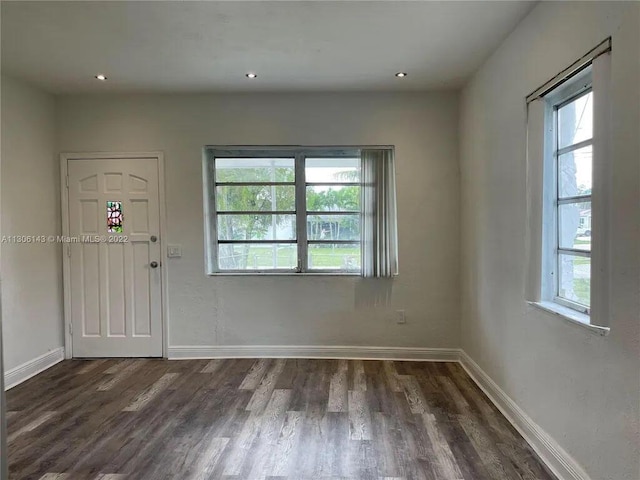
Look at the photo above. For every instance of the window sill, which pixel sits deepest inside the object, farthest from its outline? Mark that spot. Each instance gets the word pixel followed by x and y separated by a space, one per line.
pixel 571 316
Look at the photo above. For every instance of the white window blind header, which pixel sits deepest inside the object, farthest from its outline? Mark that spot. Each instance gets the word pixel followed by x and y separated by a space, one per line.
pixel 569 72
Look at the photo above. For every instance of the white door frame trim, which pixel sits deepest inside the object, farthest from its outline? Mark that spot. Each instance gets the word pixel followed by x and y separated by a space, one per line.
pixel 66 264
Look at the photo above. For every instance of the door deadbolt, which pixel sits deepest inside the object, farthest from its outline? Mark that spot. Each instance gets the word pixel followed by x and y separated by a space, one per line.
pixel 153 238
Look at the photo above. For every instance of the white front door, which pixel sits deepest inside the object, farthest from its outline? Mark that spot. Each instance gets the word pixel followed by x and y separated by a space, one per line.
pixel 115 279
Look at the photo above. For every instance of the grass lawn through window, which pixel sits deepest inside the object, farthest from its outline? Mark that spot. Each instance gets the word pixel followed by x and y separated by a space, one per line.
pixel 329 257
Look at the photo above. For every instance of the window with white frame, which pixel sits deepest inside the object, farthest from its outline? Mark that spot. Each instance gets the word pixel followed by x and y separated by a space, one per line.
pixel 571 114
pixel 568 185
pixel 293 210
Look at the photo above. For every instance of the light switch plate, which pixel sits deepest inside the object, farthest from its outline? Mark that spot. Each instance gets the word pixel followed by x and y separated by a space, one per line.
pixel 174 251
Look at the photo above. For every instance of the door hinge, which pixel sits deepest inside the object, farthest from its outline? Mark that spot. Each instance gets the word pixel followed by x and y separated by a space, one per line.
pixel 68 250
pixel 66 181
pixel 71 329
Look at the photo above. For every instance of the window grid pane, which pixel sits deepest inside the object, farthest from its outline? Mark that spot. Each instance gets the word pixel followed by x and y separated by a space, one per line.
pixel 574 226
pixel 333 198
pixel 574 278
pixel 271 198
pixel 251 256
pixel 574 126
pixel 332 170
pixel 575 173
pixel 334 256
pixel 252 170
pixel 575 120
pixel 256 227
pixel 261 208
pixel 333 227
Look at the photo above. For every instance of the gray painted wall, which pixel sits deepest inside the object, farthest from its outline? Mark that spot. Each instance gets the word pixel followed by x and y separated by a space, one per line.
pixel 311 310
pixel 582 389
pixel 30 189
pixel 4 474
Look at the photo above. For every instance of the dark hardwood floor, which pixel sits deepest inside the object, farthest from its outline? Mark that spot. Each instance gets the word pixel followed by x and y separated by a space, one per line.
pixel 261 419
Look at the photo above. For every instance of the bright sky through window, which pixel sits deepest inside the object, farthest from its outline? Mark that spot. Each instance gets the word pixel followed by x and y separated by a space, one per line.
pixel 584 127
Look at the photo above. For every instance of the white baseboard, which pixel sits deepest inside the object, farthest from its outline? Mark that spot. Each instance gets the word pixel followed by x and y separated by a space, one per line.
pixel 550 452
pixel 314 351
pixel 23 372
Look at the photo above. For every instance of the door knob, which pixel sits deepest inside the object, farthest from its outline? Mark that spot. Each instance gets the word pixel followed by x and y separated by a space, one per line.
pixel 153 238
pixel 153 264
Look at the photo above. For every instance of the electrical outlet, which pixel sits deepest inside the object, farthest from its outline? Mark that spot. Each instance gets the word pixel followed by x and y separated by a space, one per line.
pixel 174 251
pixel 400 317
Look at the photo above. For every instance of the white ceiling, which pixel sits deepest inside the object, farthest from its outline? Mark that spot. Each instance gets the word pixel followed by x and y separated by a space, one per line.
pixel 148 46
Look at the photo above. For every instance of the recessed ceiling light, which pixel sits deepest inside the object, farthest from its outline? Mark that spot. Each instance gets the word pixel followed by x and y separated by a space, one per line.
pixel 102 77
pixel 251 75
pixel 401 74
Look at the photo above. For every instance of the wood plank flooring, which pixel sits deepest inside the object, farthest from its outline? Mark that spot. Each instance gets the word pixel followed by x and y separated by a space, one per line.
pixel 267 419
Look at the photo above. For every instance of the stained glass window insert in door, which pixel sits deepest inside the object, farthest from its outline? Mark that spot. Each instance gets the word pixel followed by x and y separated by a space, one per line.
pixel 114 217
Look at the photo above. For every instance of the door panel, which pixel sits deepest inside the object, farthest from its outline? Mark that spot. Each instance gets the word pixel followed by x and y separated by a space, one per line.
pixel 114 223
pixel 116 270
